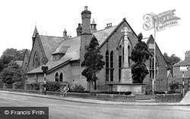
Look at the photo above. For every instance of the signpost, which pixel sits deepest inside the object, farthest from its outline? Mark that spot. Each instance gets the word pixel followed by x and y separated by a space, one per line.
pixel 159 22
pixel 183 69
pixel 44 69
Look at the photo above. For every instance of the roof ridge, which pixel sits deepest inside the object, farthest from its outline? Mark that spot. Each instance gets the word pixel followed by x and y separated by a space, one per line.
pixel 77 36
pixel 51 36
pixel 104 29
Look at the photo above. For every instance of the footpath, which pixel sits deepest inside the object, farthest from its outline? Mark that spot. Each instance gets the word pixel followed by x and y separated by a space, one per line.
pixel 184 102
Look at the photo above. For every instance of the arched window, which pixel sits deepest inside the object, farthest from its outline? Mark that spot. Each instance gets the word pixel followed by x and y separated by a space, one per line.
pixel 129 55
pixel 120 64
pixel 56 77
pixel 36 60
pixel 107 66
pixel 61 77
pixel 120 61
pixel 151 67
pixel 111 66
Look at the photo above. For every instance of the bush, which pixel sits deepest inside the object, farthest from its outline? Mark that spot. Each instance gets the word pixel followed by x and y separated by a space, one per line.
pixel 159 92
pixel 19 85
pixel 78 88
pixel 114 92
pixel 52 86
pixel 174 86
pixel 36 86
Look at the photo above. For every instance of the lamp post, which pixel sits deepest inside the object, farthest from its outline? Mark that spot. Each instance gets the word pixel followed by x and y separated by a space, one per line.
pixel 44 69
pixel 183 69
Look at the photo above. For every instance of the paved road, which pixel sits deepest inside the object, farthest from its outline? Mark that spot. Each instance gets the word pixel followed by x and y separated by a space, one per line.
pixel 60 109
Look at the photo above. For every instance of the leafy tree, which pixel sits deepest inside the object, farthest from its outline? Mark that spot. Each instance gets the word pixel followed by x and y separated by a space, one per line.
pixel 171 60
pixel 12 73
pixel 1 65
pixel 93 62
pixel 12 54
pixel 139 55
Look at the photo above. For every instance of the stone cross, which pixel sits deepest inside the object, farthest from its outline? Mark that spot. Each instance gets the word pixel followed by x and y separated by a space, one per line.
pixel 125 30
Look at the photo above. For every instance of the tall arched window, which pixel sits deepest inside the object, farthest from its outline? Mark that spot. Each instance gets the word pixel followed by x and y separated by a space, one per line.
pixel 36 60
pixel 151 67
pixel 56 77
pixel 120 64
pixel 61 77
pixel 111 66
pixel 107 66
pixel 129 55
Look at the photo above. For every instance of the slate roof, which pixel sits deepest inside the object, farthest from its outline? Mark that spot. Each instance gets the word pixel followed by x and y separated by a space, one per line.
pixel 70 47
pixel 185 62
pixel 50 43
pixel 51 65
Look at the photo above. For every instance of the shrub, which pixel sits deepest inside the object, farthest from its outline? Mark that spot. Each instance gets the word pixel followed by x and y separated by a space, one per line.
pixel 174 86
pixel 36 86
pixel 52 86
pixel 19 85
pixel 78 88
pixel 114 92
pixel 159 92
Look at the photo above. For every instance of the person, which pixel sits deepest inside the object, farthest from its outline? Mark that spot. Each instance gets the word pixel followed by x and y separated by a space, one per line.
pixel 64 90
pixel 44 88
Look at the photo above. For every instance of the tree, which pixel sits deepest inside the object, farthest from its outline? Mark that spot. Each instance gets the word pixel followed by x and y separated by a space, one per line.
pixel 93 62
pixel 139 55
pixel 12 73
pixel 171 60
pixel 12 54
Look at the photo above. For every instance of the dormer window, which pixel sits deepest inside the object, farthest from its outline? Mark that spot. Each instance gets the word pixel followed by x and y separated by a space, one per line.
pixel 60 52
pixel 57 56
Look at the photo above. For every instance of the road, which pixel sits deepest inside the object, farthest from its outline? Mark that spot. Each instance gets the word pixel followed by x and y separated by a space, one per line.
pixel 60 109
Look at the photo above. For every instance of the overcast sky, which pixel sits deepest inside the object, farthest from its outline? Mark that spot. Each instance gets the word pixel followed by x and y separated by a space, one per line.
pixel 19 17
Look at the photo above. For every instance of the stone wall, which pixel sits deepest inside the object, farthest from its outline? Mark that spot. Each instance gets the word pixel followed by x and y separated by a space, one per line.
pixel 168 97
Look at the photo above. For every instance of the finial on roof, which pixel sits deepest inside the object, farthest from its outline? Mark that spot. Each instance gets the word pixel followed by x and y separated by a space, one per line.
pixel 35 32
pixel 64 33
pixel 93 21
pixel 85 7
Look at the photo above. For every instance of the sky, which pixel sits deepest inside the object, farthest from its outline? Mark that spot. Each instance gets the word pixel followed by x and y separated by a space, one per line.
pixel 18 19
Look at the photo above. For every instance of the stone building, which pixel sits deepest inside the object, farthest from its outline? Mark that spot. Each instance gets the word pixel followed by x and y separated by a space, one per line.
pixel 178 75
pixel 63 56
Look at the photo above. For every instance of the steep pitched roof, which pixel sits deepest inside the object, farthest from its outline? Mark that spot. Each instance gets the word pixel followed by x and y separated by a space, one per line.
pixel 151 40
pixel 70 47
pixel 50 43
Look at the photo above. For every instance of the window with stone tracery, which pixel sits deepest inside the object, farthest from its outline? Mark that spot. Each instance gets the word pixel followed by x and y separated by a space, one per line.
pixel 120 62
pixel 107 65
pixel 129 55
pixel 111 66
pixel 36 60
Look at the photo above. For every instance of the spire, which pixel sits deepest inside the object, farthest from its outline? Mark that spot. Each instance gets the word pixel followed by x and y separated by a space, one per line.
pixel 93 26
pixel 93 21
pixel 35 32
pixel 64 33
